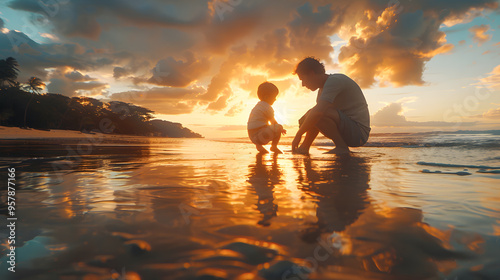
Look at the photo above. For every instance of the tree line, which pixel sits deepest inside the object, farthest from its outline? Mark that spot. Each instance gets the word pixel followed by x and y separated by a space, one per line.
pixel 24 105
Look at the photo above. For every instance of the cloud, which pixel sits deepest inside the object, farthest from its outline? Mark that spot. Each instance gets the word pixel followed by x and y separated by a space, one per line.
pixel 225 52
pixel 391 44
pixel 78 77
pixel 492 114
pixel 493 80
pixel 34 58
pixel 74 83
pixel 179 73
pixel 85 18
pixel 479 34
pixel 126 65
pixel 276 53
pixel 392 116
pixel 234 110
pixel 119 72
pixel 49 36
pixel 393 48
pixel 163 100
pixel 220 35
pixel 232 127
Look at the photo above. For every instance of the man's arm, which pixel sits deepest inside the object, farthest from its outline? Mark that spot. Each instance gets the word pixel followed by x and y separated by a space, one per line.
pixel 312 118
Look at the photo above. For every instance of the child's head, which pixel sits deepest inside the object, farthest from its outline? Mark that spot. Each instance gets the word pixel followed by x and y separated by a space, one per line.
pixel 267 92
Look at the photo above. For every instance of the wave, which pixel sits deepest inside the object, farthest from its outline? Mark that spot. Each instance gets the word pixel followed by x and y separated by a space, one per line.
pixel 482 167
pixel 417 144
pixel 463 139
pixel 460 173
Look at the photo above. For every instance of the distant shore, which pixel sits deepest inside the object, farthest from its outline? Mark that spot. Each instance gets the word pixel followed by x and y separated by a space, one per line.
pixel 13 133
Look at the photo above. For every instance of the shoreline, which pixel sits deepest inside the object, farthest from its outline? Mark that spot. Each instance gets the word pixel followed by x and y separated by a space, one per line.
pixel 17 133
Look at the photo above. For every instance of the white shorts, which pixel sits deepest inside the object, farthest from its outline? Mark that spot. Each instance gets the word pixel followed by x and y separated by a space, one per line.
pixel 265 134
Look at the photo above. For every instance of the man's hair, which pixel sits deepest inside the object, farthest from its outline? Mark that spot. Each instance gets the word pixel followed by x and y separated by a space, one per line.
pixel 308 65
pixel 267 89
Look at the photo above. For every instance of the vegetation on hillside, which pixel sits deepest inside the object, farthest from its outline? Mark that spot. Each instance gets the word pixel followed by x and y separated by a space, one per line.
pixel 23 105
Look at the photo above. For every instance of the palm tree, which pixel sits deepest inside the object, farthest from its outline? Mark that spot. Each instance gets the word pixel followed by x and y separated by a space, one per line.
pixel 8 72
pixel 34 85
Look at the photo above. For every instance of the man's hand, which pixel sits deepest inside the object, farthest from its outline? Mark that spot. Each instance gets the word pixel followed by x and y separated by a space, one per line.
pixel 296 142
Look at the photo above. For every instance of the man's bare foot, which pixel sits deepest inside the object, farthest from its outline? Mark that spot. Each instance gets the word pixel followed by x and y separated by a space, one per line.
pixel 261 149
pixel 301 151
pixel 276 150
pixel 339 151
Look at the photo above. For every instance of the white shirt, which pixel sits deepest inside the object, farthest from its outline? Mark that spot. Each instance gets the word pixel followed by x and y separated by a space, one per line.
pixel 345 95
pixel 261 115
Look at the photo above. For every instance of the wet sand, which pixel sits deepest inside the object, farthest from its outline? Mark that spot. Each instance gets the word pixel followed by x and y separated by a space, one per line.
pixel 203 209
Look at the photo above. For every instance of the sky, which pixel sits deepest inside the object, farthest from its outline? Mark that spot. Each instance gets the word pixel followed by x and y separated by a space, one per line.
pixel 427 65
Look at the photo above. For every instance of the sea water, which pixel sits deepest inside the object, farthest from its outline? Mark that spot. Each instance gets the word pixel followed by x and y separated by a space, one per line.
pixel 405 206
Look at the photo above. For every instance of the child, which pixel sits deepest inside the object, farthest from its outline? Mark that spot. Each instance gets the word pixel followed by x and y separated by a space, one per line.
pixel 259 129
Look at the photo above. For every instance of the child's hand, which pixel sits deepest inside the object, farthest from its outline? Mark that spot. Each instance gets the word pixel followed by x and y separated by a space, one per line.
pixel 283 131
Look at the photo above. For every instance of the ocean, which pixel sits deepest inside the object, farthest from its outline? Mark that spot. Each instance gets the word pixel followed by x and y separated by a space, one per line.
pixel 404 206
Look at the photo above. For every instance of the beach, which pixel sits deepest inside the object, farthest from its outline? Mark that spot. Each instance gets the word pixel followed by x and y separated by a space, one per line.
pixel 405 206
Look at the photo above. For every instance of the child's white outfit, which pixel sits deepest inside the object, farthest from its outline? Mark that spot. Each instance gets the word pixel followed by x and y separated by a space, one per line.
pixel 259 130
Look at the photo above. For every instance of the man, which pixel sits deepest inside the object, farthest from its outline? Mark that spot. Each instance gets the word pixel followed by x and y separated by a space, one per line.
pixel 341 112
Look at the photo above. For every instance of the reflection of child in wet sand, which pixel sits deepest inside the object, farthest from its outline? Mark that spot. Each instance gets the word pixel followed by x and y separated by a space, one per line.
pixel 262 126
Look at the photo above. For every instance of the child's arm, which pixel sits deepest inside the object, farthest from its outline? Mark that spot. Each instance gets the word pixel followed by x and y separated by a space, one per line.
pixel 273 121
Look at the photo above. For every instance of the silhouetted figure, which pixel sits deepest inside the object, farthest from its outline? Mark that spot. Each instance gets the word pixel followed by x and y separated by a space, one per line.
pixel 263 178
pixel 340 189
pixel 341 112
pixel 262 126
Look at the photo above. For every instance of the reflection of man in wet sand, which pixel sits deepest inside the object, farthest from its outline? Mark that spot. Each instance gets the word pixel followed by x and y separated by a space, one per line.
pixel 262 178
pixel 341 112
pixel 394 243
pixel 341 192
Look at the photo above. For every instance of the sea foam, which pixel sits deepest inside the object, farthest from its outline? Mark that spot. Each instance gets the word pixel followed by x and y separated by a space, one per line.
pixel 457 165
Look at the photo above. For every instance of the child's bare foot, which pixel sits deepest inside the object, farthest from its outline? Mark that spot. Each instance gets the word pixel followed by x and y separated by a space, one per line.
pixel 301 151
pixel 276 150
pixel 261 149
pixel 339 151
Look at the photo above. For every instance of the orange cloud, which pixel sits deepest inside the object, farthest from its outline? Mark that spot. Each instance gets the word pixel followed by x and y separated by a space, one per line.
pixel 73 83
pixel 492 114
pixel 178 73
pixel 392 48
pixel 227 46
pixel 392 116
pixel 493 80
pixel 163 100
pixel 479 33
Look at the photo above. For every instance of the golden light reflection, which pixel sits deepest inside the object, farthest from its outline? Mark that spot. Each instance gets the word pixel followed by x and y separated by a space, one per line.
pixel 496 228
pixel 251 202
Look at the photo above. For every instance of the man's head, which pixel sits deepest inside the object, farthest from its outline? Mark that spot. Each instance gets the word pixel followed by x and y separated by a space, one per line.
pixel 311 72
pixel 267 92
